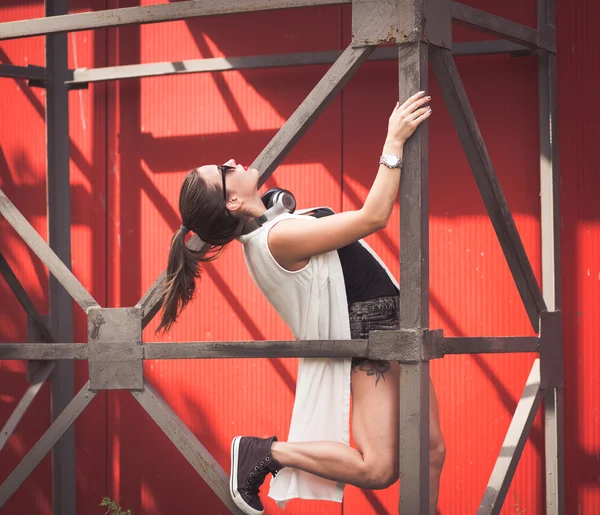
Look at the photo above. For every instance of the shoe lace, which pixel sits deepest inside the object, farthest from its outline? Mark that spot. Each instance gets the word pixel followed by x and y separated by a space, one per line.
pixel 257 477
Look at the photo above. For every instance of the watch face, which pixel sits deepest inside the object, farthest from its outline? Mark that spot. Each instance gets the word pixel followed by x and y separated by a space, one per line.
pixel 391 160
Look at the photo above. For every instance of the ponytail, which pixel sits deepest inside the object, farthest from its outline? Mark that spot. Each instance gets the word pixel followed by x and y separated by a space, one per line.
pixel 180 280
pixel 203 211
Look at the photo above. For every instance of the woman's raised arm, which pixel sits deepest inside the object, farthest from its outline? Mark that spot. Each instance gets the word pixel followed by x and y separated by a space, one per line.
pixel 292 242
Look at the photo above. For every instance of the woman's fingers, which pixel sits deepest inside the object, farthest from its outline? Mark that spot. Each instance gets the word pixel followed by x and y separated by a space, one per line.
pixel 418 112
pixel 412 103
pixel 416 104
pixel 406 117
pixel 412 99
pixel 422 117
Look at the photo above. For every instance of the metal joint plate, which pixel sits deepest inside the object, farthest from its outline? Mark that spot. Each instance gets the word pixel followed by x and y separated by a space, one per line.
pixel 406 345
pixel 551 353
pixel 438 23
pixel 375 22
pixel 547 39
pixel 115 348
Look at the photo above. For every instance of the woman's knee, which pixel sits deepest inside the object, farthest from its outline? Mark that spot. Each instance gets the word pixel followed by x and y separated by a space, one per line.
pixel 437 451
pixel 379 474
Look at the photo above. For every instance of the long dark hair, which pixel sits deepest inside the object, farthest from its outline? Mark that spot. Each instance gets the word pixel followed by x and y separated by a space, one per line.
pixel 203 211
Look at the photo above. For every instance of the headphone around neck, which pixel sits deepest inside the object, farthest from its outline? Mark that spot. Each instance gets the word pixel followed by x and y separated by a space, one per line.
pixel 277 201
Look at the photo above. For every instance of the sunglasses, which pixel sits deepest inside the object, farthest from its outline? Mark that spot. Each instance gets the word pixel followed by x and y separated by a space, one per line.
pixel 224 169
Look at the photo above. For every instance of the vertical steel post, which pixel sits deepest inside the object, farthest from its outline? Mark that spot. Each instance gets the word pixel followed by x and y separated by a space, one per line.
pixel 550 216
pixel 59 236
pixel 414 293
pixel 414 269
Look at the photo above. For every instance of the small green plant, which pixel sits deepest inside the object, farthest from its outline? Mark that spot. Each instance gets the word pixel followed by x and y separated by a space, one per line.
pixel 517 505
pixel 113 507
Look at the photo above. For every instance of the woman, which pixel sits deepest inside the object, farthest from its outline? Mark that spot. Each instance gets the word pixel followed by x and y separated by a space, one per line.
pixel 326 284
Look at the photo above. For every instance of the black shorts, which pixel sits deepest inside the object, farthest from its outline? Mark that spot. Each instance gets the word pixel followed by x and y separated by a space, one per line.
pixel 376 314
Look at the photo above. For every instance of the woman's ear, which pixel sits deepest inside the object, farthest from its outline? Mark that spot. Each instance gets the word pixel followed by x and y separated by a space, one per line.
pixel 235 204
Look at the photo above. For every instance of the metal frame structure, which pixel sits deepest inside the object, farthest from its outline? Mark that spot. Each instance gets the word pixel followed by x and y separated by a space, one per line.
pixel 417 32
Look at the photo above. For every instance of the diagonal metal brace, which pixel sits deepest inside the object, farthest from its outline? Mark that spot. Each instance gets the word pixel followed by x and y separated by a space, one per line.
pixel 187 443
pixel 45 443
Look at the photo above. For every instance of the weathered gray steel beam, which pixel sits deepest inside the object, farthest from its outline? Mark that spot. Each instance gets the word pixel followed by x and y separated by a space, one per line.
pixel 196 350
pixel 461 13
pixel 257 349
pixel 58 142
pixel 289 134
pixel 187 444
pixel 458 104
pixel 513 445
pixel 145 14
pixel 43 351
pixel 551 286
pixel 45 443
pixel 551 271
pixel 43 251
pixel 478 345
pixel 414 270
pixel 221 64
pixel 17 288
pixel 414 295
pixel 23 72
pixel 21 408
pixel 554 451
pixel 273 348
pixel 217 64
pixel 500 27
pixel 492 47
pixel 549 171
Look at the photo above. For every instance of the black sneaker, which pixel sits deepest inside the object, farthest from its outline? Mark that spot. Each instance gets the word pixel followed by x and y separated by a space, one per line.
pixel 251 461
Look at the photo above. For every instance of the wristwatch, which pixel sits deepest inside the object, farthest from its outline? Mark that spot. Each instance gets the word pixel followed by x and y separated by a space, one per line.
pixel 391 161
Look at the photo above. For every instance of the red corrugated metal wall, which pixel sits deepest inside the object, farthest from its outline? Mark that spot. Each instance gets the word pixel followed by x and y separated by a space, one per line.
pixel 132 143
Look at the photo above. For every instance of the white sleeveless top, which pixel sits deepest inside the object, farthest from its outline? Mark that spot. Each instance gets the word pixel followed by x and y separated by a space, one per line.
pixel 312 302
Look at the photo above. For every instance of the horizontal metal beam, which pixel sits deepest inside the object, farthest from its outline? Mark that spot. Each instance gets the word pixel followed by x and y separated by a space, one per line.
pixel 266 348
pixel 258 349
pixel 43 351
pixel 491 47
pixel 23 72
pixel 461 13
pixel 221 64
pixel 496 345
pixel 497 26
pixel 217 64
pixel 36 243
pixel 145 14
pixel 198 350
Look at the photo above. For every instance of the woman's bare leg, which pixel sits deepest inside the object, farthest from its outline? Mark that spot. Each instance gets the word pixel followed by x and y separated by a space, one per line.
pixel 437 451
pixel 374 462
